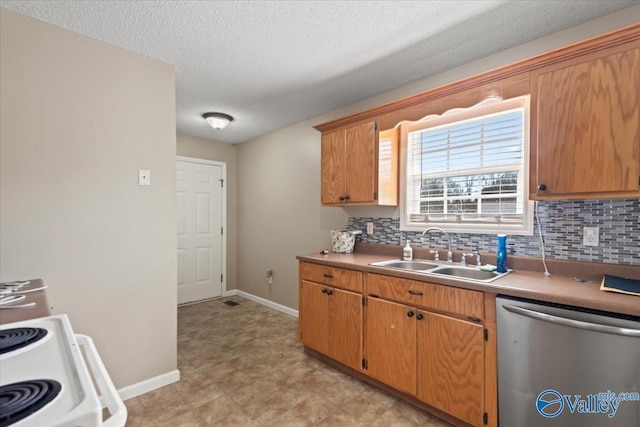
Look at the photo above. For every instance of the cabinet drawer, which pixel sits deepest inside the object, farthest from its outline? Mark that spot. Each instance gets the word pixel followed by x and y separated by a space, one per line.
pixel 395 289
pixel 428 295
pixel 333 276
pixel 455 300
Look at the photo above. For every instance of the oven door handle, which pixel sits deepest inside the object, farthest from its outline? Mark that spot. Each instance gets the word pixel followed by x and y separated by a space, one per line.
pixel 108 394
pixel 572 323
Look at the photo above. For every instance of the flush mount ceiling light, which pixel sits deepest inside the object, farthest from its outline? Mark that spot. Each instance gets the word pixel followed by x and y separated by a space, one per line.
pixel 218 120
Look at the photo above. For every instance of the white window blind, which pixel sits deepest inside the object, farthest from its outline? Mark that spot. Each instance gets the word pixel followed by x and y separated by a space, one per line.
pixel 467 168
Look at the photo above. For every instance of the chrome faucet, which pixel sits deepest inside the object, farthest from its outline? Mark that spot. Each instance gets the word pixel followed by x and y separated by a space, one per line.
pixel 475 254
pixel 449 253
pixel 478 260
pixel 463 260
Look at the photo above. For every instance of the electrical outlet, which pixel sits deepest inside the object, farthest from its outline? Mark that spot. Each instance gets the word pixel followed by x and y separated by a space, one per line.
pixel 591 236
pixel 369 228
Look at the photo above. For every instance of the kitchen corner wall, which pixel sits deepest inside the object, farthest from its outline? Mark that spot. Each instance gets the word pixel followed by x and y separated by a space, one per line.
pixel 561 222
pixel 279 212
pixel 207 149
pixel 78 118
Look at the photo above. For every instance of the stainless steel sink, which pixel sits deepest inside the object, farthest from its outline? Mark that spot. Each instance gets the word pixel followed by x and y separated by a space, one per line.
pixel 414 265
pixel 468 273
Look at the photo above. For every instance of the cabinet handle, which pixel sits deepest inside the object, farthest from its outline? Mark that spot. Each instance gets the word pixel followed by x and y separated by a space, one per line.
pixel 412 292
pixel 325 291
pixel 342 198
pixel 419 316
pixel 410 314
pixel 347 198
pixel 542 187
pixel 328 276
pixel 330 293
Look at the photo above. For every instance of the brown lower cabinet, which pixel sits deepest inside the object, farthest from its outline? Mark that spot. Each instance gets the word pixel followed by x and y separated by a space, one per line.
pixel 390 337
pixel 439 359
pixel 331 322
pixel 450 365
pixel 432 342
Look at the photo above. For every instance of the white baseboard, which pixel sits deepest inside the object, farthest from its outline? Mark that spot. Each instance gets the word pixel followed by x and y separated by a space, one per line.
pixel 267 303
pixel 148 385
pixel 230 293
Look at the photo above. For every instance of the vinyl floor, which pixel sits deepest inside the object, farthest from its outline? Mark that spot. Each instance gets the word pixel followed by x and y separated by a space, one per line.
pixel 243 365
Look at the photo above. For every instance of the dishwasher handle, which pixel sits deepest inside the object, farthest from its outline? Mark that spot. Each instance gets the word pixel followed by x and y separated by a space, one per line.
pixel 572 323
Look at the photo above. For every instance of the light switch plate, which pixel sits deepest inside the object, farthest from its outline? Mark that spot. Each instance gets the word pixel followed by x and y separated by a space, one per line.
pixel 591 236
pixel 144 177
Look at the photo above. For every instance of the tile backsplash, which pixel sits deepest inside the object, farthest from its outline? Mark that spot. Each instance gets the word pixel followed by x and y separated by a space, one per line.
pixel 561 221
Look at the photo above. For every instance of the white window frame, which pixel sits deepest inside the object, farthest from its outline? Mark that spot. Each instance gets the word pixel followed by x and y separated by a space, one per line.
pixel 487 106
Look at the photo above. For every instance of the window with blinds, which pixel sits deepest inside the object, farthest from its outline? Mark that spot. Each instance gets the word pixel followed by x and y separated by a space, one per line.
pixel 467 170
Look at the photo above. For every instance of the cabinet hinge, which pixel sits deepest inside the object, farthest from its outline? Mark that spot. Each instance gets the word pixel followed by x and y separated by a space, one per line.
pixel 222 183
pixel 485 418
pixel 365 364
pixel 375 195
pixel 375 125
pixel 221 230
pixel 221 278
pixel 486 334
pixel 364 301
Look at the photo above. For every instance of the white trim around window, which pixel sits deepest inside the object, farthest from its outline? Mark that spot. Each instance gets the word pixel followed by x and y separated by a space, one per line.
pixel 467 170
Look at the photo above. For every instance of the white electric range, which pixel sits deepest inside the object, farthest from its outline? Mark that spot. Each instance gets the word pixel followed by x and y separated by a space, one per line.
pixel 51 377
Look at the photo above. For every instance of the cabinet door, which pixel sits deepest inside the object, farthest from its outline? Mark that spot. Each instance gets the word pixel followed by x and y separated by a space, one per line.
pixel 391 344
pixel 333 167
pixel 361 173
pixel 314 316
pixel 586 128
pixel 345 327
pixel 451 365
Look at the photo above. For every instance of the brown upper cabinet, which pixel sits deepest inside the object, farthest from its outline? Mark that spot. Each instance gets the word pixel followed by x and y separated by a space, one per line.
pixel 585 126
pixel 360 166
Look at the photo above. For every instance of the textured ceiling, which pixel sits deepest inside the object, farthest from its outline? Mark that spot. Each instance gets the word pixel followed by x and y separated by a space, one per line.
pixel 274 63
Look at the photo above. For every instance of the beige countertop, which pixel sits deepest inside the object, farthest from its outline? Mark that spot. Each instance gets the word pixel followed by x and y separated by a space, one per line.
pixel 560 288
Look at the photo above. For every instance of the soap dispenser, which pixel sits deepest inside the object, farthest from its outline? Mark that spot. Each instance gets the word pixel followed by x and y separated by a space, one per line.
pixel 407 252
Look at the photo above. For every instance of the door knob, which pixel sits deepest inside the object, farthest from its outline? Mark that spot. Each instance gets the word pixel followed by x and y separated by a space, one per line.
pixel 410 314
pixel 542 187
pixel 419 316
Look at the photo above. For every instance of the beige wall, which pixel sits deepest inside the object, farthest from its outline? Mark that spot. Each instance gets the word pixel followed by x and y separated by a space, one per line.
pixel 200 148
pixel 78 118
pixel 279 212
pixel 279 176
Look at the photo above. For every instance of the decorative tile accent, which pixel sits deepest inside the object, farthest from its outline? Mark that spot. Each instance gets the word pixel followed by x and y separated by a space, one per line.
pixel 561 221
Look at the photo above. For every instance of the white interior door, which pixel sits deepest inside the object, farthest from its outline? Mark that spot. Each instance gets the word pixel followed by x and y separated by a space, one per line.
pixel 200 232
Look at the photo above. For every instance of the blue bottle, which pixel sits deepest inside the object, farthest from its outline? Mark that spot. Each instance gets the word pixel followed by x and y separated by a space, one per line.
pixel 501 255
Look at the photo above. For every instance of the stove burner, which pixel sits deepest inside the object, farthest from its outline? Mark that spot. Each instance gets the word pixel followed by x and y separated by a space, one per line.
pixel 21 399
pixel 13 339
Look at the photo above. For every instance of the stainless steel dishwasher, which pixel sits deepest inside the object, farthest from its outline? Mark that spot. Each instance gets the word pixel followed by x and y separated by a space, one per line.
pixel 563 366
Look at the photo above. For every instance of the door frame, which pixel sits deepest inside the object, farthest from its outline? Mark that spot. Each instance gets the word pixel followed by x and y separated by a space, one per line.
pixel 223 217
